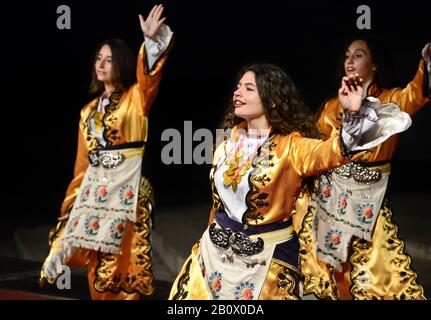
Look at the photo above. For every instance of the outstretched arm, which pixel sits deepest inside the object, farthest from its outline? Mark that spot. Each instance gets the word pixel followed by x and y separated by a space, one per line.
pixel 362 129
pixel 157 35
pixel 152 56
pixel 417 93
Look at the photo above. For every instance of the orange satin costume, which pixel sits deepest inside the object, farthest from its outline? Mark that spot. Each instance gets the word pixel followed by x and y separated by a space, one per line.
pixel 382 260
pixel 275 182
pixel 129 275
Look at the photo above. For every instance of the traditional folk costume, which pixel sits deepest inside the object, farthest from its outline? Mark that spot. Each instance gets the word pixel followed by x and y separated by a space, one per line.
pixel 108 203
pixel 350 247
pixel 250 249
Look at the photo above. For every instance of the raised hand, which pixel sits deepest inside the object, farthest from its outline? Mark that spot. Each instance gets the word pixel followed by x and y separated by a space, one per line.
pixel 152 24
pixel 351 93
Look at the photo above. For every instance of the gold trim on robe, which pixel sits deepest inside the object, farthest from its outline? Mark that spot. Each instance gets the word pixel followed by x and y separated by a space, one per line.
pixel 126 120
pixel 278 167
pixel 317 275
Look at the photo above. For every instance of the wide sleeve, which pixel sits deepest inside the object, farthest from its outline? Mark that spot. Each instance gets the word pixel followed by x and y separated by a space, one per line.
pixel 81 165
pixel 329 120
pixel 151 59
pixel 417 92
pixel 311 157
pixel 373 125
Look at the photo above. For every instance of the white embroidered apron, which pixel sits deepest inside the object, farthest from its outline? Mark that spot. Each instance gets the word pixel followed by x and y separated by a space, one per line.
pixel 344 208
pixel 107 198
pixel 233 276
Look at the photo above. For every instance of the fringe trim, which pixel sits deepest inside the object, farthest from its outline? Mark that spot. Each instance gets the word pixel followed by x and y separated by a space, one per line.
pixel 93 246
pixel 330 260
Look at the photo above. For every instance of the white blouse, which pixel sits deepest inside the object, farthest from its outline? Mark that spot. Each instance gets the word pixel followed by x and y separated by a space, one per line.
pixel 234 202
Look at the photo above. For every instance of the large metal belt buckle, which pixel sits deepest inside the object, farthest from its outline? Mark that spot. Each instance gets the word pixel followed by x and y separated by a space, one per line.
pixel 240 243
pixel 108 160
pixel 359 172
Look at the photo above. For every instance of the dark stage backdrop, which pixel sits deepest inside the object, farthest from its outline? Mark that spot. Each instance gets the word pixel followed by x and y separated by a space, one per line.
pixel 45 73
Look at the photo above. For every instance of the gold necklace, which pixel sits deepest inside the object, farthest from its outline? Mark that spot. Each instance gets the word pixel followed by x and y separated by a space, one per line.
pixel 237 168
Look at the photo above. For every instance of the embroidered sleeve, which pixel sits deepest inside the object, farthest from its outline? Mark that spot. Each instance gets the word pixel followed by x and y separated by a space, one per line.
pixel 311 156
pixel 374 124
pixel 354 126
pixel 155 47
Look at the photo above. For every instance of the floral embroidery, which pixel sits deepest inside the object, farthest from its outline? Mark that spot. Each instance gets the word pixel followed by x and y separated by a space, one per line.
pixel 86 193
pixel 92 225
pixel 366 213
pixel 126 195
pixel 245 291
pixel 333 239
pixel 215 283
pixel 117 228
pixel 325 191
pixel 342 203
pixel 73 224
pixel 101 193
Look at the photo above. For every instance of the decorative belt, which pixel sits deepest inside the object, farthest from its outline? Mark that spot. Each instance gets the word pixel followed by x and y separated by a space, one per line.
pixel 240 243
pixel 248 245
pixel 363 173
pixel 111 159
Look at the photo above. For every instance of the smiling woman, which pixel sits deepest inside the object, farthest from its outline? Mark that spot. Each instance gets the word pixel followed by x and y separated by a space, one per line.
pixel 250 249
pixel 351 200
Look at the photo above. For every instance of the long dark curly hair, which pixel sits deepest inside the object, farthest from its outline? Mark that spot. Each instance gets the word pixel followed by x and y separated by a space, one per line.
pixel 283 105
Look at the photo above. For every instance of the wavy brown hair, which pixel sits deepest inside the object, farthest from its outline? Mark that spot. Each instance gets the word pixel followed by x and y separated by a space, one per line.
pixel 123 67
pixel 290 113
pixel 283 105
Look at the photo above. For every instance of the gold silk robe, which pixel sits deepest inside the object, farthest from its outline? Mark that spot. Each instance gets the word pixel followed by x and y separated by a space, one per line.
pixel 129 275
pixel 275 182
pixel 391 275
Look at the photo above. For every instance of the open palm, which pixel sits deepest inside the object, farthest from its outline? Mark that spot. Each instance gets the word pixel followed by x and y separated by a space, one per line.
pixel 152 24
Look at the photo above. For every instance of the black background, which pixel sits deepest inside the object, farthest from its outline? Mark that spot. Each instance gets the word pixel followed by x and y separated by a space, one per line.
pixel 45 76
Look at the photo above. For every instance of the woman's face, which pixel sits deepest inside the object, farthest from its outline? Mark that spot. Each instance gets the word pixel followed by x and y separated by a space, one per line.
pixel 358 60
pixel 246 99
pixel 103 65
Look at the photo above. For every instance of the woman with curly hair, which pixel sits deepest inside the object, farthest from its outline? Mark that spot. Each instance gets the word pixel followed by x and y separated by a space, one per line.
pixel 250 249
